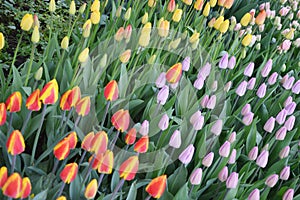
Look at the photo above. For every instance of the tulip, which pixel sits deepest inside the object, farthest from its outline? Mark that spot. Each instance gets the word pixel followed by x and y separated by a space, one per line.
pixel 232 62
pixel 267 68
pixel 99 143
pixel 204 101
pixel 208 159
pixel 52 6
pixel 106 162
pixel 174 73
pixel 223 174
pixel 211 103
pixel 232 157
pixel 241 89
pixel 72 9
pixel 206 9
pixel 199 83
pixel 232 180
pixel 157 186
pixel 151 3
pixel 161 80
pixel 61 198
pixel 125 56
pixel 198 4
pixel 91 189
pixel 177 15
pixel 127 14
pixel 111 91
pixel 269 125
pixel 261 92
pixel 232 137
pixel 281 116
pixel 296 87
pixel 129 168
pixel 164 122
pixel 72 138
pixel 13 186
pixel 253 153
pixel 2 114
pixel 225 149
pixel 289 124
pixel 86 29
pixel 260 18
pixel 290 108
pixel 216 128
pixel 262 159
pixel 38 74
pixel 285 173
pixel 15 143
pixel 281 133
pixel 246 109
pixel 86 142
pixel 141 146
pixel 27 22
pixel 120 34
pixel 272 79
pixel 145 35
pixel 163 28
pixel 288 195
pixel 162 95
pixel 254 195
pixel 194 39
pixel 127 33
pixel 272 180
pixel 196 177
pixel 288 101
pixel 186 64
pixel 65 43
pixel 187 154
pixel 288 83
pixel 218 22
pixel 144 130
pixel 35 38
pixel 120 120
pixel 224 26
pixel 62 149
pixel 130 136
pixel 82 8
pixel 69 173
pixel 95 5
pixel 49 93
pixel 251 83
pixel 223 64
pixel 33 102
pixel 26 188
pixel 204 71
pixel 246 19
pixel 197 120
pixel 95 17
pixel 13 102
pixel 227 86
pixel 171 6
pixel 3 176
pixel 83 106
pixel 2 41
pixel 175 140
pixel 228 4
pixel 284 152
pixel 247 40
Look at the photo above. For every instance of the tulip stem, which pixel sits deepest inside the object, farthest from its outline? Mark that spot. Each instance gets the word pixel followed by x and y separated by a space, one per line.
pixel 59 63
pixel 148 197
pixel 254 175
pixel 114 140
pixel 38 134
pixel 66 122
pixel 105 113
pixel 61 189
pixel 100 180
pixel 120 184
pixel 10 122
pixel 26 122
pixel 159 138
pixel 55 166
pixel 77 121
pixel 89 169
pixel 82 157
pixel 13 163
pixel 190 193
pixel 30 64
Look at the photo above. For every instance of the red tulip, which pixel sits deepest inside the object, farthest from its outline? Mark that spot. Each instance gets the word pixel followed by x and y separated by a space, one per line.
pixel 13 186
pixel 142 144
pixel 62 149
pixel 14 102
pixel 106 162
pixel 15 143
pixel 3 176
pixel 26 188
pixel 129 168
pixel 130 136
pixel 173 75
pixel 72 138
pixel 64 104
pixel 157 186
pixel 86 142
pixel 99 143
pixel 68 174
pixel 49 93
pixel 91 189
pixel 2 114
pixel 111 91
pixel 83 106
pixel 33 101
pixel 120 120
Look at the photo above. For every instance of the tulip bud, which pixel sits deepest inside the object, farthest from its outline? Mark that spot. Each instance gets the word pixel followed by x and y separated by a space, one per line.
pixel 163 95
pixel 218 22
pixel 86 142
pixel 261 92
pixel 129 168
pixel 38 74
pixel 197 121
pixel 285 173
pixel 35 38
pixel 171 6
pixel 272 180
pixel 157 186
pixel 120 120
pixel 3 176
pixel 208 159
pixel 204 101
pixel 251 83
pixel 163 28
pixel 15 144
pixel 224 61
pixel 269 125
pixel 87 28
pixel 231 62
pixel 224 26
pixel 164 122
pixel 284 152
pixel 223 174
pixel 281 133
pixel 130 136
pixel 151 3
pixel 177 15
pixel 175 140
pixel 247 40
pixel 253 153
pixel 33 102
pixel 62 149
pixel 95 17
pixel 281 116
pixel 141 146
pixel 2 113
pixel 127 33
pixel 72 9
pixel 174 73
pixel 127 14
pixel 196 177
pixel 83 106
pixel 254 195
pixel 69 173
pixel 2 41
pixel 289 124
pixel 52 6
pixel 145 18
pixel 84 55
pixel 232 157
pixel 232 137
pixel 186 64
pixel 211 103
pixel 290 108
pixel 82 8
pixel 246 19
pixel 216 128
pixel 225 149
pixel 288 195
pixel 262 159
pixel 227 86
pixel 13 186
pixel 95 6
pixel 272 79
pixel 232 180
pixel 228 4
pixel 65 43
pixel 241 89
pixel 14 102
pixel 91 189
pixel 206 9
pixel 296 87
pixel 213 3
pixel 246 109
pixel 187 154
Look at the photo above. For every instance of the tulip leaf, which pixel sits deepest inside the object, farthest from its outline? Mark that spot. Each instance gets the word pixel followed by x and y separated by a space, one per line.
pixel 251 133
pixel 75 188
pixel 41 196
pixel 177 179
pixel 182 193
pixel 132 191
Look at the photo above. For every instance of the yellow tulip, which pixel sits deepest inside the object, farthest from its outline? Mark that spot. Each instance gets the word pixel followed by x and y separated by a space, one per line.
pixel 206 9
pixel 144 39
pixel 52 6
pixel 127 14
pixel 177 15
pixel 174 44
pixel 147 28
pixel 82 8
pixel 35 37
pixel 290 35
pixel 87 28
pixel 163 29
pixel 151 3
pixel 27 22
pixel 95 6
pixel 2 41
pixel 218 22
pixel 95 17
pixel 65 43
pixel 213 3
pixel 84 55
pixel 194 37
pixel 224 26
pixel 198 4
pixel 152 59
pixel 145 18
pixel 187 2
pixel 247 40
pixel 125 56
pixel 246 19
pixel 72 9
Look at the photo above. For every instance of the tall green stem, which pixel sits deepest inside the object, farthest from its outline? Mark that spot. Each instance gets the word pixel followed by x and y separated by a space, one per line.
pixel 30 64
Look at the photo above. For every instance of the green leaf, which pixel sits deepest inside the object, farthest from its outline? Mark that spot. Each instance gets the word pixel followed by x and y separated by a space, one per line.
pixel 75 188
pixel 132 192
pixel 41 196
pixel 177 179
pixel 182 193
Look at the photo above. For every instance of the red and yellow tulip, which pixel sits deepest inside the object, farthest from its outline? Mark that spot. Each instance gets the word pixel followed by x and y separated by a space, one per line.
pixel 111 91
pixel 15 143
pixel 106 162
pixel 33 102
pixel 87 140
pixel 49 93
pixel 91 189
pixel 2 114
pixel 129 168
pixel 120 120
pixel 141 146
pixel 83 106
pixel 69 173
pixel 13 186
pixel 26 188
pixel 173 75
pixel 72 138
pixel 99 143
pixel 130 136
pixel 62 149
pixel 14 102
pixel 261 17
pixel 3 176
pixel 157 186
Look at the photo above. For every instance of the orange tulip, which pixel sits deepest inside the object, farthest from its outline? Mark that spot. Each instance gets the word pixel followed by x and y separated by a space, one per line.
pixel 174 73
pixel 120 120
pixel 69 173
pixel 96 161
pixel 261 17
pixel 111 91
pixel 91 189
pixel 228 4
pixel 64 104
pixel 14 102
pixel 157 186
pixel 72 138
pixel 106 162
pixel 15 143
pixel 142 144
pixel 13 186
pixel 26 188
pixel 129 168
pixel 75 96
pixel 33 101
pixel 3 176
pixel 49 93
pixel 62 149
pixel 120 34
pixel 2 114
pixel 83 106
pixel 130 136
pixel 99 143
pixel 86 142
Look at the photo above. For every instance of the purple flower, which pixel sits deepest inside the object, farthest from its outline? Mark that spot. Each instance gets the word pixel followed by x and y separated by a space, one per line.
pixel 163 95
pixel 251 83
pixel 261 92
pixel 269 125
pixel 186 64
pixel 223 64
pixel 197 120
pixel 232 180
pixel 272 180
pixel 175 140
pixel 199 83
pixel 241 89
pixel 231 62
pixel 262 159
pixel 254 195
pixel 225 149
pixel 161 80
pixel 196 177
pixel 267 68
pixel 273 78
pixel 281 116
pixel 249 69
pixel 163 123
pixel 223 174
pixel 216 128
pixel 186 156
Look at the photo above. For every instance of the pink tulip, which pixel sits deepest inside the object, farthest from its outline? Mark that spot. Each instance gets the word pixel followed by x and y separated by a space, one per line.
pixel 204 71
pixel 248 118
pixel 267 68
pixel 232 137
pixel 186 64
pixel 281 116
pixel 163 123
pixel 272 180
pixel 175 140
pixel 249 69
pixel 163 95
pixel 288 101
pixel 284 11
pixel 284 152
pixel 281 133
pixel 186 156
pixel 211 103
pixel 232 180
pixel 232 157
pixel 262 159
pixel 253 153
pixel 273 78
pixel 216 128
pixel 254 195
pixel 288 195
pixel 227 86
pixel 288 84
pixel 285 173
pixel 208 159
pixel 196 177
pixel 197 120
pixel 269 125
pixel 232 62
pixel 223 174
pixel 223 63
pixel 251 83
pixel 241 89
pixel 261 92
pixel 144 130
pixel 296 87
pixel 199 83
pixel 290 108
pixel 246 109
pixel 289 124
pixel 161 80
pixel 225 149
